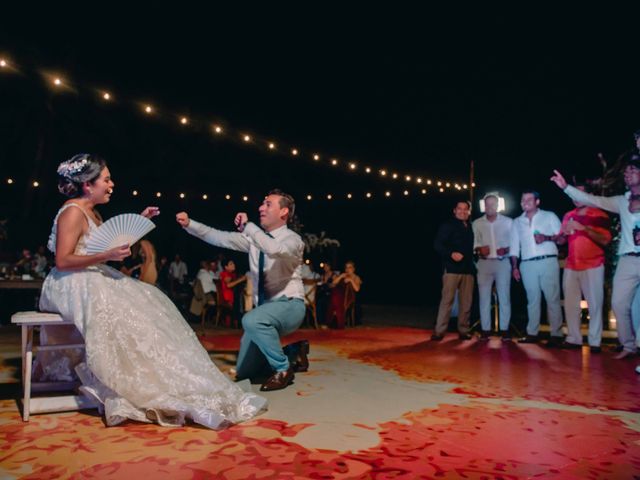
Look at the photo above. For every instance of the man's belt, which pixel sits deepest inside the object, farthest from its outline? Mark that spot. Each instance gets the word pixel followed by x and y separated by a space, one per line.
pixel 541 257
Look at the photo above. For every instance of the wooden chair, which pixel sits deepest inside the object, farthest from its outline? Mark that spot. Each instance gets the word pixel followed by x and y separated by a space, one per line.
pixel 310 305
pixel 222 306
pixel 29 321
pixel 349 306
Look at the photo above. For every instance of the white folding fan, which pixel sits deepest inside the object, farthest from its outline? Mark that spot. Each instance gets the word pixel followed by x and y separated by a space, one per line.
pixel 125 229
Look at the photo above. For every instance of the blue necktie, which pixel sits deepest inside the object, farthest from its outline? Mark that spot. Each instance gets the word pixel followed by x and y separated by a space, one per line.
pixel 261 278
pixel 261 294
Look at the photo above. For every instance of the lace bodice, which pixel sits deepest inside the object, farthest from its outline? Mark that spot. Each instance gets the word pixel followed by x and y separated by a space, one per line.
pixel 81 247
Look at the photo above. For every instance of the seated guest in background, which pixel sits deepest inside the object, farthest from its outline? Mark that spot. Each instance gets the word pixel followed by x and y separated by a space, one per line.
pixel 533 239
pixel 41 262
pixel 454 244
pixel 24 265
pixel 149 268
pixel 492 238
pixel 206 276
pixel 338 290
pixel 323 293
pixel 178 270
pixel 131 265
pixel 587 231
pixel 310 281
pixel 163 274
pixel 229 280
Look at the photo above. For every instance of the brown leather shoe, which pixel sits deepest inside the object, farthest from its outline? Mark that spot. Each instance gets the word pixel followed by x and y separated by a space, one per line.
pixel 278 381
pixel 297 353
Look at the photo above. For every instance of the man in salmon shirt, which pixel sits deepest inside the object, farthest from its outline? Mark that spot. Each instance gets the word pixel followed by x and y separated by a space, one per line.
pixel 586 229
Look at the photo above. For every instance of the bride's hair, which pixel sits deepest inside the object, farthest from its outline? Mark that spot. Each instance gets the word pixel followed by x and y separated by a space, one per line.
pixel 80 168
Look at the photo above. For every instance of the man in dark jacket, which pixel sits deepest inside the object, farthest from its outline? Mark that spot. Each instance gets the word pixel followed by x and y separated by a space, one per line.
pixel 454 243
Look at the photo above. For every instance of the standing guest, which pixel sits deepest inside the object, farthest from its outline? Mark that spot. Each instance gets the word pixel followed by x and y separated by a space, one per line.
pixel 454 244
pixel 275 256
pixel 339 289
pixel 228 281
pixel 586 229
pixel 627 277
pixel 492 239
pixel 533 239
pixel 323 293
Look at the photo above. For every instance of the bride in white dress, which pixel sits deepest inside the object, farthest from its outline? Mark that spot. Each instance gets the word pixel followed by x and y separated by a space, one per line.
pixel 143 361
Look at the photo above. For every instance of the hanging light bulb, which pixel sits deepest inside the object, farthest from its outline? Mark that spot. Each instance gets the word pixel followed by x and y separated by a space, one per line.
pixel 383 173
pixel 106 96
pixel 334 162
pixel 406 192
pixel 227 197
pixel 148 109
pixel 329 197
pixel 387 194
pixel 217 129
pixel 245 198
pixel 407 178
pixel 309 197
pixel 10 181
pixel 158 194
pixel 182 195
pixel 394 176
pixel 246 138
pixel 349 196
pixel 272 146
pixel 3 63
pixel 205 196
pixel 352 166
pixel 368 170
pixel 36 184
pixel 134 193
pixel 368 195
pixel 184 120
pixel 316 157
pixel 294 151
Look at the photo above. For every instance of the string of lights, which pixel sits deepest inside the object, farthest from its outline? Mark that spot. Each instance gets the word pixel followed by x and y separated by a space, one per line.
pixel 369 194
pixel 223 130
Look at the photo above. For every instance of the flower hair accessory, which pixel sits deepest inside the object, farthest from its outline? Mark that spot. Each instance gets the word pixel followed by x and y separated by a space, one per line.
pixel 70 168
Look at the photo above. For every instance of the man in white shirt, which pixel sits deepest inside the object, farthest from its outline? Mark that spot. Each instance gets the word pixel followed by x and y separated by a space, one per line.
pixel 275 259
pixel 533 239
pixel 492 240
pixel 627 277
pixel 207 275
pixel 178 270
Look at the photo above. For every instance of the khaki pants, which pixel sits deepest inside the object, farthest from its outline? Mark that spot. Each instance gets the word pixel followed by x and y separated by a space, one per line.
pixel 463 283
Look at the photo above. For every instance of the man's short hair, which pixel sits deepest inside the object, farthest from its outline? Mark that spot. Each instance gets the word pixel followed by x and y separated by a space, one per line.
pixel 634 161
pixel 286 201
pixel 491 194
pixel 455 205
pixel 533 192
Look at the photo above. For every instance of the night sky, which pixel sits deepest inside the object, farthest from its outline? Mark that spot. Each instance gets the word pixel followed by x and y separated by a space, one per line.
pixel 519 92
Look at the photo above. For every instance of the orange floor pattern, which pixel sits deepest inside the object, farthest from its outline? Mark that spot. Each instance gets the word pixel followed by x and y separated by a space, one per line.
pixel 534 413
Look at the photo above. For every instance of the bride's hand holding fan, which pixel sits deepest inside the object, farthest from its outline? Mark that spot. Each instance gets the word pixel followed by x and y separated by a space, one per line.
pixel 117 254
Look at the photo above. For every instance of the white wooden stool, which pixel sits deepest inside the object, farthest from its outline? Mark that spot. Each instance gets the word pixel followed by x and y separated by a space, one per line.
pixel 63 403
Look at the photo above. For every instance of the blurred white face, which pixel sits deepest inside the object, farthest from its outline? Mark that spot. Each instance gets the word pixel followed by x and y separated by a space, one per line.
pixel 491 206
pixel 100 190
pixel 349 269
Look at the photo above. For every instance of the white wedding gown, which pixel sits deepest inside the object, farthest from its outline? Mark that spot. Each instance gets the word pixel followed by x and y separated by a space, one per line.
pixel 143 361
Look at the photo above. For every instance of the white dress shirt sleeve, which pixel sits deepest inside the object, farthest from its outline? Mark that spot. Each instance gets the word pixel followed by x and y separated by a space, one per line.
pixel 230 240
pixel 606 203
pixel 514 248
pixel 477 234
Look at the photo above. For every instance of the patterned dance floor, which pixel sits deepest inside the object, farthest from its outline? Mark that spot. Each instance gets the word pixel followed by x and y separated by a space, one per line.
pixel 381 403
